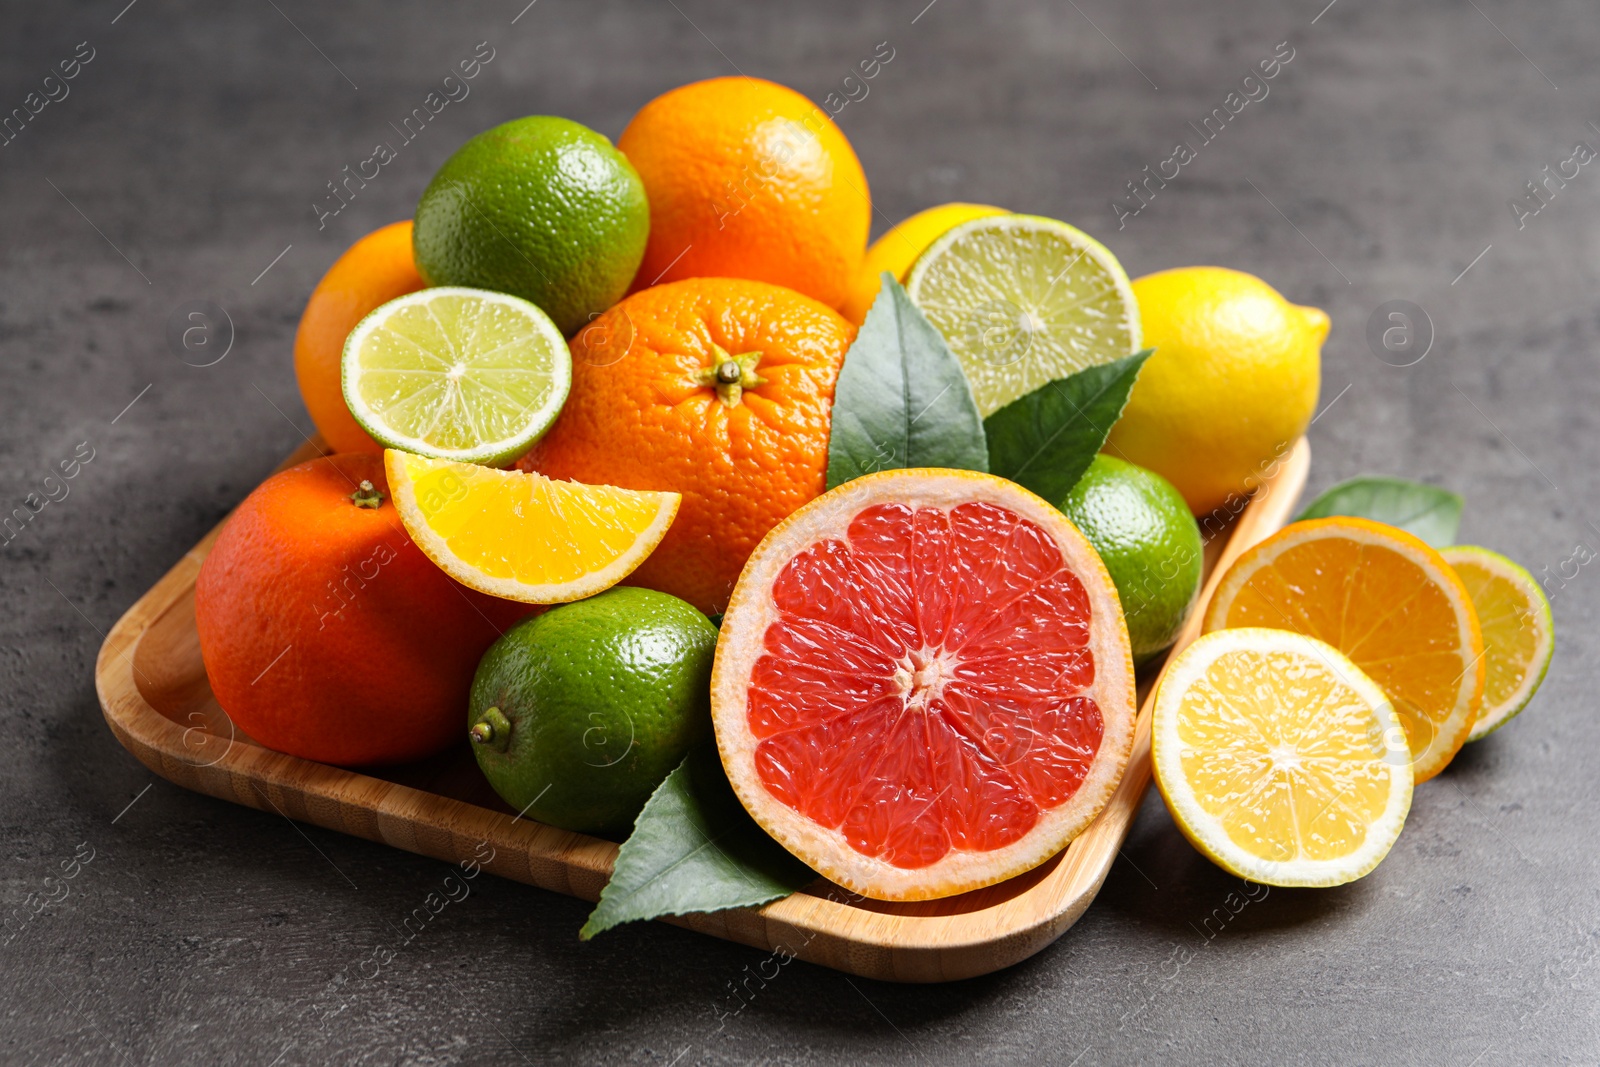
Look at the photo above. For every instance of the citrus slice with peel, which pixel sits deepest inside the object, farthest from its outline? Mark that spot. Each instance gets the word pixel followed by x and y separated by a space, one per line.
pixel 923 684
pixel 1519 634
pixel 524 536
pixel 1024 300
pixel 462 374
pixel 1279 758
pixel 1386 600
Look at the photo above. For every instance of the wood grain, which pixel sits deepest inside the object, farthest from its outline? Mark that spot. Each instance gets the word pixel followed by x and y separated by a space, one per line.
pixel 155 696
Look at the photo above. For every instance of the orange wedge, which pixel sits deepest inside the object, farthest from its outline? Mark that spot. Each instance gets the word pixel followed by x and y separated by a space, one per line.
pixel 1388 602
pixel 524 536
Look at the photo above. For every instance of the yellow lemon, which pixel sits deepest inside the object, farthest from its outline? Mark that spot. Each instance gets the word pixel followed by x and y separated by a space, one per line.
pixel 1231 386
pixel 898 249
pixel 1279 759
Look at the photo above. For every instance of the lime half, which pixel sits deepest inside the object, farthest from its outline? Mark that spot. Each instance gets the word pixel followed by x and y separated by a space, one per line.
pixel 1519 635
pixel 1023 300
pixel 460 374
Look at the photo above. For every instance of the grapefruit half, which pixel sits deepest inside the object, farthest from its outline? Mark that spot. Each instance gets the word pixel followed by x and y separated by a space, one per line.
pixel 923 684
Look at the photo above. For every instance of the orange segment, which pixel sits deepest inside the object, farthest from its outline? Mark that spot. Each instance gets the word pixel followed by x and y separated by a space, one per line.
pixel 1385 599
pixel 523 536
pixel 924 683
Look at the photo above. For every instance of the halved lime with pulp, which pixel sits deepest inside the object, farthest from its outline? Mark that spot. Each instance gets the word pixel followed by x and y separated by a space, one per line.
pixel 1023 300
pixel 460 374
pixel 1519 635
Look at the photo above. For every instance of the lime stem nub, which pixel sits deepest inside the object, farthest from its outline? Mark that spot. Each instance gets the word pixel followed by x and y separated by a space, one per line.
pixel 366 495
pixel 492 729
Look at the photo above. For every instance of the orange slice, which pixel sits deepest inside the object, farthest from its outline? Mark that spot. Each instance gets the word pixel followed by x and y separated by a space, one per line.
pixel 1388 602
pixel 524 536
pixel 924 684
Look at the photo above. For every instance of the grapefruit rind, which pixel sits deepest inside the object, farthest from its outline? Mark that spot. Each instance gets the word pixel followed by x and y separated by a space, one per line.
pixel 1450 733
pixel 751 610
pixel 1534 611
pixel 1205 831
pixel 401 468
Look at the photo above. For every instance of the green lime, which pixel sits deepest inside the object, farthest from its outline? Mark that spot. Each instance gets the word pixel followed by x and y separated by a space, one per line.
pixel 1148 540
pixel 539 207
pixel 1022 301
pixel 458 374
pixel 579 713
pixel 1519 633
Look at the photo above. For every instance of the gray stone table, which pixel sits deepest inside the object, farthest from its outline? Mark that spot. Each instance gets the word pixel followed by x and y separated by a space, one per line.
pixel 183 164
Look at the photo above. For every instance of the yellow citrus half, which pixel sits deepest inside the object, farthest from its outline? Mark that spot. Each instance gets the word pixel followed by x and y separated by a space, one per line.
pixel 1385 599
pixel 1279 759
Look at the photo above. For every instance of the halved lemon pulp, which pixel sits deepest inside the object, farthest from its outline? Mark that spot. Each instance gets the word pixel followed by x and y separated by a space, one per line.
pixel 1385 599
pixel 524 536
pixel 1279 759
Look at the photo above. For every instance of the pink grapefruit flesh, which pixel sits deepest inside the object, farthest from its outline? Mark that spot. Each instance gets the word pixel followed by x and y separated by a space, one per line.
pixel 923 684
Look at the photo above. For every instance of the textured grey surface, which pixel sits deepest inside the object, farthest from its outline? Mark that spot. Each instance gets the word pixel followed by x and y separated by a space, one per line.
pixel 187 156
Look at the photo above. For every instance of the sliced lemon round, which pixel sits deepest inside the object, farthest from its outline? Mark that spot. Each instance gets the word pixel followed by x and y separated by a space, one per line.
pixel 524 536
pixel 462 374
pixel 1024 300
pixel 1519 634
pixel 1279 759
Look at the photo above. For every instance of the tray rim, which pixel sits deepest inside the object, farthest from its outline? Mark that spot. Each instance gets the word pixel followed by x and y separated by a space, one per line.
pixel 879 944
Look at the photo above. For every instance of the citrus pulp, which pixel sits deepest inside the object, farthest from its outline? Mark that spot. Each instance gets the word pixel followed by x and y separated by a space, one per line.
pixel 1387 601
pixel 1519 634
pixel 923 683
pixel 1279 759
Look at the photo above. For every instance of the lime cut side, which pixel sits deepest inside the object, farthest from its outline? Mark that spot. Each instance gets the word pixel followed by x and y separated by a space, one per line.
pixel 460 374
pixel 1023 300
pixel 1519 634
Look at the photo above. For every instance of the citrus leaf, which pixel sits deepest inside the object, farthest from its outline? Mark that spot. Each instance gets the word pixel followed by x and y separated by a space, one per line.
pixel 902 400
pixel 1046 440
pixel 694 848
pixel 1432 513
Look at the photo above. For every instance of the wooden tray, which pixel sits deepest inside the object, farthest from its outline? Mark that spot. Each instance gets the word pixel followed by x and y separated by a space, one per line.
pixel 155 695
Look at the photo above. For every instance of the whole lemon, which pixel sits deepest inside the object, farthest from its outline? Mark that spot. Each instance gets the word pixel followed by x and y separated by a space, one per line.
pixel 1231 386
pixel 898 249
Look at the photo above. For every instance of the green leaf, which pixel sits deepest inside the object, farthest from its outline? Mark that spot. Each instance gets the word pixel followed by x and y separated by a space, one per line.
pixel 1432 513
pixel 902 399
pixel 694 848
pixel 1046 440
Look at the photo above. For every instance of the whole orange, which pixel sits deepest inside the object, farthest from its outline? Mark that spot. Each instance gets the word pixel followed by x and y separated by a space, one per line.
pixel 372 272
pixel 326 632
pixel 748 179
pixel 648 410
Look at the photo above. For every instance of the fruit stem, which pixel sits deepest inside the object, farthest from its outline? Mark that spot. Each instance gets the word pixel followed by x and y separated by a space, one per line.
pixel 731 375
pixel 492 729
pixel 366 495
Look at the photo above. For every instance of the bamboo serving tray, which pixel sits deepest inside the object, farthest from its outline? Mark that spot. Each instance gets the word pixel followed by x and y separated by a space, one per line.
pixel 155 695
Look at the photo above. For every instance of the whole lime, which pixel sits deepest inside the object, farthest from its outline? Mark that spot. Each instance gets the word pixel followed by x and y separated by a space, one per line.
pixel 1148 540
pixel 579 713
pixel 538 207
